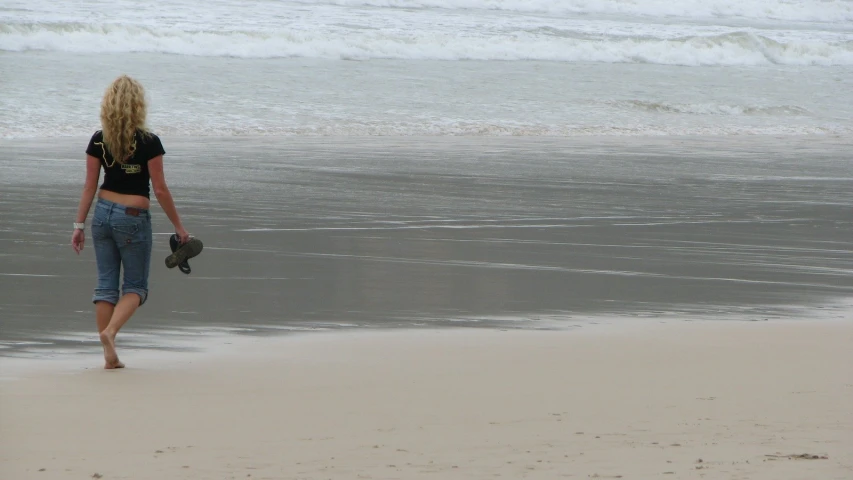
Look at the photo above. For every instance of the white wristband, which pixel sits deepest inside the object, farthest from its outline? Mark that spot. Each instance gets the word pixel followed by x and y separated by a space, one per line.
pixel 79 226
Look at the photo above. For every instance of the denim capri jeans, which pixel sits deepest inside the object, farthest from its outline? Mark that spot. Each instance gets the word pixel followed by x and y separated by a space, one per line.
pixel 122 239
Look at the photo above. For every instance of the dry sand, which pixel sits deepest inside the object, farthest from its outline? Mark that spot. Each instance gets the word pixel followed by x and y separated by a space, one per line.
pixel 725 400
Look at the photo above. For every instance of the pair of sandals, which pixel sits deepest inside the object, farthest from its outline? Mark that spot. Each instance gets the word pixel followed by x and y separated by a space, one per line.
pixel 182 253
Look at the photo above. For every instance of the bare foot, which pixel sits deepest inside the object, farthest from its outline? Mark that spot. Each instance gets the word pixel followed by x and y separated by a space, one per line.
pixel 110 366
pixel 108 339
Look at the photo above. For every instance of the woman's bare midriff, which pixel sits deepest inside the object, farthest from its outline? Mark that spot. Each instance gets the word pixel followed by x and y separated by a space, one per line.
pixel 136 201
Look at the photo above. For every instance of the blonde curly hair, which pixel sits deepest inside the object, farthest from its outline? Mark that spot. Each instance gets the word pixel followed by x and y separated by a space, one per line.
pixel 123 113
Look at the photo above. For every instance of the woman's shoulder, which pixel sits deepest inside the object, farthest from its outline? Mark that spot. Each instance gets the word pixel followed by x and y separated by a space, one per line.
pixel 98 136
pixel 150 143
pixel 147 136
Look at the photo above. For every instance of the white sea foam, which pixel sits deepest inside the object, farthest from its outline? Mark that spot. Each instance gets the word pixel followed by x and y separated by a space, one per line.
pixel 711 108
pixel 736 48
pixel 831 11
pixel 494 129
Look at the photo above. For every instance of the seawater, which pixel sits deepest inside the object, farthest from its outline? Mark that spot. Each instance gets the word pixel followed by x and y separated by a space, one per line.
pixel 434 67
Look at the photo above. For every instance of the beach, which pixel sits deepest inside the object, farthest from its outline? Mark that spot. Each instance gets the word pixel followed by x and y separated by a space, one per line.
pixel 448 239
pixel 388 308
pixel 703 400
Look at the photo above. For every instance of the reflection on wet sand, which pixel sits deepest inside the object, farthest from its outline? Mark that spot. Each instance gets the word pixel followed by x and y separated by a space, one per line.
pixel 424 232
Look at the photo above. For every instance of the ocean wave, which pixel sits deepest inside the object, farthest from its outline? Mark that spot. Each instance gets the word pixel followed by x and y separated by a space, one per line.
pixel 438 129
pixel 736 48
pixel 825 11
pixel 711 108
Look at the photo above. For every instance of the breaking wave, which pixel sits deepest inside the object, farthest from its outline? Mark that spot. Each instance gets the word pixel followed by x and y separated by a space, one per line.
pixel 712 109
pixel 438 128
pixel 737 48
pixel 828 11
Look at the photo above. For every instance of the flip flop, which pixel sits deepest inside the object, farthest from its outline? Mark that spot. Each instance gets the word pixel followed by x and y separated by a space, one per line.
pixel 174 243
pixel 182 253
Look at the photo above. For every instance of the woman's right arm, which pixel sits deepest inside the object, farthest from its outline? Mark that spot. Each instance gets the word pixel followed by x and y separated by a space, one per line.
pixel 93 172
pixel 164 196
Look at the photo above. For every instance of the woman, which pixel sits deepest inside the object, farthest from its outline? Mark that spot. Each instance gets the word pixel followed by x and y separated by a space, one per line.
pixel 131 157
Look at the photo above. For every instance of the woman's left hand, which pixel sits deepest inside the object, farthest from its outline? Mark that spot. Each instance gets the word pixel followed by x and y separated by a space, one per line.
pixel 78 238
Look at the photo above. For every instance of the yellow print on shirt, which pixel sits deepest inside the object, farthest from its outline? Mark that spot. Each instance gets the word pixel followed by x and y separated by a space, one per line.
pixel 126 168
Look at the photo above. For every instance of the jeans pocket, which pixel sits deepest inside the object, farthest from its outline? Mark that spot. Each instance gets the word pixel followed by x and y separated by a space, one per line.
pixel 126 234
pixel 129 229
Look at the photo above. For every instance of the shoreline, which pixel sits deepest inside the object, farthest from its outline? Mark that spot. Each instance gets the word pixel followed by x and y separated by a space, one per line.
pixel 158 348
pixel 692 400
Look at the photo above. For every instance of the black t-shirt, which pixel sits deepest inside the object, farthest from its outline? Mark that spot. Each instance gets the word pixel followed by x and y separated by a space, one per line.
pixel 130 177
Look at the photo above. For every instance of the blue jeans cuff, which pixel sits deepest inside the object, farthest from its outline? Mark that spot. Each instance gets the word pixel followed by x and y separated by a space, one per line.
pixel 105 295
pixel 143 294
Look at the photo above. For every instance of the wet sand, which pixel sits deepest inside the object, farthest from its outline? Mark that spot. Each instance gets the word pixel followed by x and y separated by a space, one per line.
pixel 537 233
pixel 705 400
